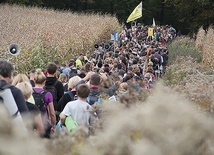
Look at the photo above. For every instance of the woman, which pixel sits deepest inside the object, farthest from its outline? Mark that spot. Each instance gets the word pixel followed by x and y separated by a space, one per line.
pixel 48 115
pixel 64 79
pixel 35 114
pixel 71 94
pixel 23 78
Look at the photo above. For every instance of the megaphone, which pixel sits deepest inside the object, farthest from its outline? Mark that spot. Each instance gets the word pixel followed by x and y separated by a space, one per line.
pixel 96 46
pixel 106 46
pixel 14 49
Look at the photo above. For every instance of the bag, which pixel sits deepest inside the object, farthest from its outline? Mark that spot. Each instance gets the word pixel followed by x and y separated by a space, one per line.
pixel 70 94
pixel 39 99
pixel 52 89
pixel 70 124
pixel 6 97
pixel 73 98
pixel 92 99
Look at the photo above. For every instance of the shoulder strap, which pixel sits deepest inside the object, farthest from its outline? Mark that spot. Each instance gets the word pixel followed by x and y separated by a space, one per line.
pixel 6 86
pixel 71 95
pixel 55 83
pixel 42 92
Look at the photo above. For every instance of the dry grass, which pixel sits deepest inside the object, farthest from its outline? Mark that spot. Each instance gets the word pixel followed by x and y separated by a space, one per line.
pixel 15 141
pixel 45 35
pixel 183 47
pixel 193 80
pixel 165 124
pixel 200 39
pixel 208 49
pixel 204 43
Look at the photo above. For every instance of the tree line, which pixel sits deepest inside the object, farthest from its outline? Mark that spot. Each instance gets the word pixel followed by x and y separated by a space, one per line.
pixel 186 16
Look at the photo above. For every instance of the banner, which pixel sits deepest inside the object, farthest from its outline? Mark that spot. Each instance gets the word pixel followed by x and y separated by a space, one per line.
pixel 150 31
pixel 137 13
pixel 114 36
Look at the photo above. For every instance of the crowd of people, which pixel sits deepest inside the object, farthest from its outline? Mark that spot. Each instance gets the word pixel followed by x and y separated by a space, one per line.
pixel 135 61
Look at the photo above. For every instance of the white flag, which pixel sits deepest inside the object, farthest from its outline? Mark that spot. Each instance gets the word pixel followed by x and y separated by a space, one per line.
pixel 153 24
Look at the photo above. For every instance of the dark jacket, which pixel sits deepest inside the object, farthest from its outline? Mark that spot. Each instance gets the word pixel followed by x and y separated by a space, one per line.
pixel 65 99
pixel 96 92
pixel 59 86
pixel 18 97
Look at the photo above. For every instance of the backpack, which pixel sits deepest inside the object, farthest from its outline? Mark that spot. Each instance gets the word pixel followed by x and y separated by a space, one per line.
pixel 7 99
pixel 70 94
pixel 52 89
pixel 92 99
pixel 39 99
pixel 73 98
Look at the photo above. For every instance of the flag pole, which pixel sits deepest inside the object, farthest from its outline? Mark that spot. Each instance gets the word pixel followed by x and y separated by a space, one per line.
pixel 142 11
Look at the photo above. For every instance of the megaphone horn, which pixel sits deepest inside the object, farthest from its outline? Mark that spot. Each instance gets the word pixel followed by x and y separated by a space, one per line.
pixel 96 46
pixel 106 46
pixel 14 49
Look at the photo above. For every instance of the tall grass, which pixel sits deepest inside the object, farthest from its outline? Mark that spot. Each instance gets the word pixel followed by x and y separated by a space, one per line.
pixel 15 141
pixel 208 49
pixel 193 80
pixel 45 35
pixel 204 42
pixel 200 39
pixel 165 124
pixel 183 47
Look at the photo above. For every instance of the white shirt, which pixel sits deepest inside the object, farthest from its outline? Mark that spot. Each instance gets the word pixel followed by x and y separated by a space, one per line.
pixel 80 112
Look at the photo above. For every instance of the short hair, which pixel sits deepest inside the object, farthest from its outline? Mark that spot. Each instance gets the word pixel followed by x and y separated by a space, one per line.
pixel 26 89
pixel 106 69
pixel 83 90
pixel 73 82
pixel 39 77
pixel 51 68
pixel 6 68
pixel 119 66
pixel 95 79
pixel 20 78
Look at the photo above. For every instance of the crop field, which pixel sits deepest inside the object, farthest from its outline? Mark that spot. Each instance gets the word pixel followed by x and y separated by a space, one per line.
pixel 46 35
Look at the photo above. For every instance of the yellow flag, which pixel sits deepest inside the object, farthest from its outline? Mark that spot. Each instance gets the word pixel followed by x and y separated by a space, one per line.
pixel 136 13
pixel 150 32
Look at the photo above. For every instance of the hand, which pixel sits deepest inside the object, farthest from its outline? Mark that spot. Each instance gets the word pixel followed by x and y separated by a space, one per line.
pixel 103 76
pixel 52 129
pixel 88 76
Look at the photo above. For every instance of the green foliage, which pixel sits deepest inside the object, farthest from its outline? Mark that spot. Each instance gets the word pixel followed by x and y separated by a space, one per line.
pixel 193 14
pixel 183 47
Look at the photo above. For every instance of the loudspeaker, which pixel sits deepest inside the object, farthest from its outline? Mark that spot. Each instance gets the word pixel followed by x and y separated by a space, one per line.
pixel 14 49
pixel 96 46
pixel 106 46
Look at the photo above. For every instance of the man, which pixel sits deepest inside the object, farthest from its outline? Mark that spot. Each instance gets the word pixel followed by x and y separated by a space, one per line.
pixel 79 109
pixel 78 62
pixel 53 85
pixel 94 84
pixel 6 77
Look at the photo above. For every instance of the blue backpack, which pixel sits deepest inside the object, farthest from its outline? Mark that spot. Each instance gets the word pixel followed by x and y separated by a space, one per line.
pixel 92 99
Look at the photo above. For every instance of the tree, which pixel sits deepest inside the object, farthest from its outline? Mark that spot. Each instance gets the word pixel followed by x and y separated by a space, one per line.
pixel 193 14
